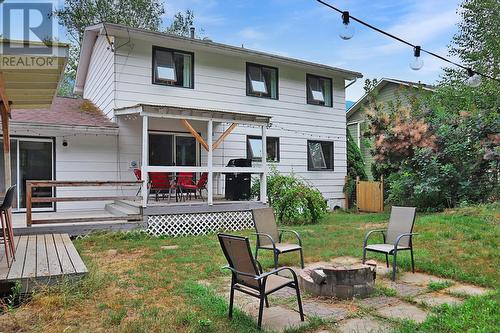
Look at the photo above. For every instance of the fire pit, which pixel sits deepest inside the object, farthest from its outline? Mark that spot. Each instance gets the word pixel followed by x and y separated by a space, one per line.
pixel 342 282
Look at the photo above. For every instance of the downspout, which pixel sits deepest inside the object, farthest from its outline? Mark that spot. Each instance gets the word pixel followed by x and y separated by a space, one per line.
pixel 351 83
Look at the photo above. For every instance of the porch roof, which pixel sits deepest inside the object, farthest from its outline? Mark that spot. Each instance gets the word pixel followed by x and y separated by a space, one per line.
pixel 177 112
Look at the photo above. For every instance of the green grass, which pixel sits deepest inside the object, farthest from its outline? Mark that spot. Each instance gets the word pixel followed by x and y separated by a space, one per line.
pixel 438 285
pixel 144 288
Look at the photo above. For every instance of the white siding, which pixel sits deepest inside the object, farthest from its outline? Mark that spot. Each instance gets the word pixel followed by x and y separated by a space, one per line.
pixel 99 85
pixel 220 84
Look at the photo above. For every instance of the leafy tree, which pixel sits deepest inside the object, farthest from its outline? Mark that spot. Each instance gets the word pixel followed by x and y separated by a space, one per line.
pixel 182 23
pixel 443 150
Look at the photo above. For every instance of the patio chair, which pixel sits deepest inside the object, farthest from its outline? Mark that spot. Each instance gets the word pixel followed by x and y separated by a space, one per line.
pixel 138 176
pixel 202 184
pixel 269 236
pixel 397 237
pixel 7 230
pixel 160 183
pixel 248 277
pixel 186 184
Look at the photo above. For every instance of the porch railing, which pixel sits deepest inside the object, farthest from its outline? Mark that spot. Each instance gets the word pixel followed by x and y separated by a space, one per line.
pixel 31 184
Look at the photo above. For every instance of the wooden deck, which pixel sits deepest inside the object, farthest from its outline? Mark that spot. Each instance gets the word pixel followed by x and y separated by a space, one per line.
pixel 42 259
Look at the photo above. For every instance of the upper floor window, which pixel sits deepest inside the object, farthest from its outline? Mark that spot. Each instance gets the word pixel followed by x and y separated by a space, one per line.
pixel 254 148
pixel 319 90
pixel 262 81
pixel 319 155
pixel 173 67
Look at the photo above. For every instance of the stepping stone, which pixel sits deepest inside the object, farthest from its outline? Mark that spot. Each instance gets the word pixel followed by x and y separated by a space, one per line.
pixel 378 301
pixel 169 247
pixel 278 319
pixel 467 290
pixel 436 299
pixel 405 289
pixel 403 311
pixel 284 293
pixel 362 325
pixel 324 311
pixel 420 279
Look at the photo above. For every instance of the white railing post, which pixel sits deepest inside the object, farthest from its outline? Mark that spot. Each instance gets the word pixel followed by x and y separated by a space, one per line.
pixel 145 160
pixel 263 175
pixel 210 183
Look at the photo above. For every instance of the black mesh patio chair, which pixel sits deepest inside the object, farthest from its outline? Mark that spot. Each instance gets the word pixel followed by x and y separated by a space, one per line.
pixel 7 230
pixel 248 277
pixel 269 236
pixel 397 237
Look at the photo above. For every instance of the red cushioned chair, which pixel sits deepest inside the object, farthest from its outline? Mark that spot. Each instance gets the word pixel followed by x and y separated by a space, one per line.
pixel 160 183
pixel 186 184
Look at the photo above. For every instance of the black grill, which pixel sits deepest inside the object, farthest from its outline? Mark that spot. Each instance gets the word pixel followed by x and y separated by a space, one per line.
pixel 238 184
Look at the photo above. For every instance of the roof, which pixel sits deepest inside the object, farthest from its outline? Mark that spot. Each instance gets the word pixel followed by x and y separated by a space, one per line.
pixel 123 31
pixel 31 80
pixel 382 83
pixel 176 112
pixel 65 111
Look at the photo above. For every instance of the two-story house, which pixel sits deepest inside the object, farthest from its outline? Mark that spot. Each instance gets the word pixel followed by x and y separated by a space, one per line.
pixel 184 105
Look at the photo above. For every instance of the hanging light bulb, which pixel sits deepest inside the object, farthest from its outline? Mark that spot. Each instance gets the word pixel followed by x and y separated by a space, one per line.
pixel 346 30
pixel 474 79
pixel 417 63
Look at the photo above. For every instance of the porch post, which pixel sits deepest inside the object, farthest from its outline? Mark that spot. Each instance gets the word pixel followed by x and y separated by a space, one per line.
pixel 145 160
pixel 263 175
pixel 210 184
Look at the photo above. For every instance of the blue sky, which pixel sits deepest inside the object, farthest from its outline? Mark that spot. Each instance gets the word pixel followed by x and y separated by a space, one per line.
pixel 307 30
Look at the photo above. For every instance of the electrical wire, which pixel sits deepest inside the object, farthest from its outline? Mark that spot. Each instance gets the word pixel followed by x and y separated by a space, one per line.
pixel 469 70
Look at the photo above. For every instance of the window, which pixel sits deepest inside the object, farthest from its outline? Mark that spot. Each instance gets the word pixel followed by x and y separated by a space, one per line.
pixel 319 155
pixel 172 67
pixel 319 90
pixel 262 81
pixel 168 149
pixel 254 148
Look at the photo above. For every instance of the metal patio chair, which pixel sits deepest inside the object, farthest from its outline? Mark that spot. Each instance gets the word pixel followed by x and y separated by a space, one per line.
pixel 269 236
pixel 248 277
pixel 7 229
pixel 397 237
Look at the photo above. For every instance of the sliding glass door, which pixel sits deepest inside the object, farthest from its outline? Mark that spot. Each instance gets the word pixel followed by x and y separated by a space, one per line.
pixel 169 149
pixel 31 159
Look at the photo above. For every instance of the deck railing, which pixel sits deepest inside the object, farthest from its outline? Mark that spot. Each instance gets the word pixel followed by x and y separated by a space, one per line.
pixel 31 184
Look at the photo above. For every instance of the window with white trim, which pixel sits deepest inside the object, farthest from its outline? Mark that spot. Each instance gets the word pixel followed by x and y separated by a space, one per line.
pixel 254 148
pixel 319 155
pixel 319 90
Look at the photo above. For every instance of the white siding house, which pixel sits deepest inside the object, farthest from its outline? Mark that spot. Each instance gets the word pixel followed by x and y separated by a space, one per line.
pixel 117 73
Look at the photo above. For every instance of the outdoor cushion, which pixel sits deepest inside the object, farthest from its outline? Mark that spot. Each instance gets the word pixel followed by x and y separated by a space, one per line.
pixel 282 247
pixel 386 248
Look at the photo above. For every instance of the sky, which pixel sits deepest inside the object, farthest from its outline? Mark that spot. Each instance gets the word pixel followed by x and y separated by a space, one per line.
pixel 307 30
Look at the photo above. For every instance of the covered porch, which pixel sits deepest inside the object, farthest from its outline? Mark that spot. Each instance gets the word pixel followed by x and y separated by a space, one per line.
pixel 168 134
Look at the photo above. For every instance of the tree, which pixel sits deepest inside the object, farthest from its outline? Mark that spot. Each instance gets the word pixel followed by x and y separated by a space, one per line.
pixel 76 15
pixel 442 150
pixel 182 23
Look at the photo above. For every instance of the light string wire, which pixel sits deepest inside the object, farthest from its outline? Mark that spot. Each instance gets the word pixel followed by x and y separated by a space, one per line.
pixel 408 43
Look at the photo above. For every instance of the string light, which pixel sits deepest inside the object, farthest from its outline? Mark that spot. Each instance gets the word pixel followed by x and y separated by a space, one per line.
pixel 471 81
pixel 417 63
pixel 346 30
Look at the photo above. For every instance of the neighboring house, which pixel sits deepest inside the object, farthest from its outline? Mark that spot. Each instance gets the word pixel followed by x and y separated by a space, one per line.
pixel 386 90
pixel 165 103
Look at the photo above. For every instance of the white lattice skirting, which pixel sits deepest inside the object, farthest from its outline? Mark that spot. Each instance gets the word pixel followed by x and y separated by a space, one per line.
pixel 198 224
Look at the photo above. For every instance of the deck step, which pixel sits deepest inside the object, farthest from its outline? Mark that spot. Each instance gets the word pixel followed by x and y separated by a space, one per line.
pixel 102 219
pixel 121 210
pixel 135 205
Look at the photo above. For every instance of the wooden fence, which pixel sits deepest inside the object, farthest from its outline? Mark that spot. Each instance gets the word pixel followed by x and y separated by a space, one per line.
pixel 30 184
pixel 370 195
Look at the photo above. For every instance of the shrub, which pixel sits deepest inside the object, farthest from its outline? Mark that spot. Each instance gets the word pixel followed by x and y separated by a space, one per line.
pixel 294 202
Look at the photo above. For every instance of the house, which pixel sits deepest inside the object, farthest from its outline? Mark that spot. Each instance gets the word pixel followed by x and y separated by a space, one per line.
pixel 386 91
pixel 163 103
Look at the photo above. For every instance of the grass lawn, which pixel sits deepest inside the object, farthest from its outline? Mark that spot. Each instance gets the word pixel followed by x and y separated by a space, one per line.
pixel 135 285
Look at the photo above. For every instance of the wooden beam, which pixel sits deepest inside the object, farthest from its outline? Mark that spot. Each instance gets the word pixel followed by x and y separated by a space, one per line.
pixel 194 133
pixel 5 114
pixel 224 135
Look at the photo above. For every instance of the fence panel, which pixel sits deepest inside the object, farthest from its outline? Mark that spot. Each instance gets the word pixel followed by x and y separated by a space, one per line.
pixel 370 195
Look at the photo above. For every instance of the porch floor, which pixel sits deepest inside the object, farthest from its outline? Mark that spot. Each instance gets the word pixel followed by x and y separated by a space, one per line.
pixel 41 259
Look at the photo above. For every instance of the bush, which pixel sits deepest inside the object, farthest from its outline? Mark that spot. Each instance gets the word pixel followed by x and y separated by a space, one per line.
pixel 294 202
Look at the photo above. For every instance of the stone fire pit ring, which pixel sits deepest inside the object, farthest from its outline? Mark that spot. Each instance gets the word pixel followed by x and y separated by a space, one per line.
pixel 342 281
